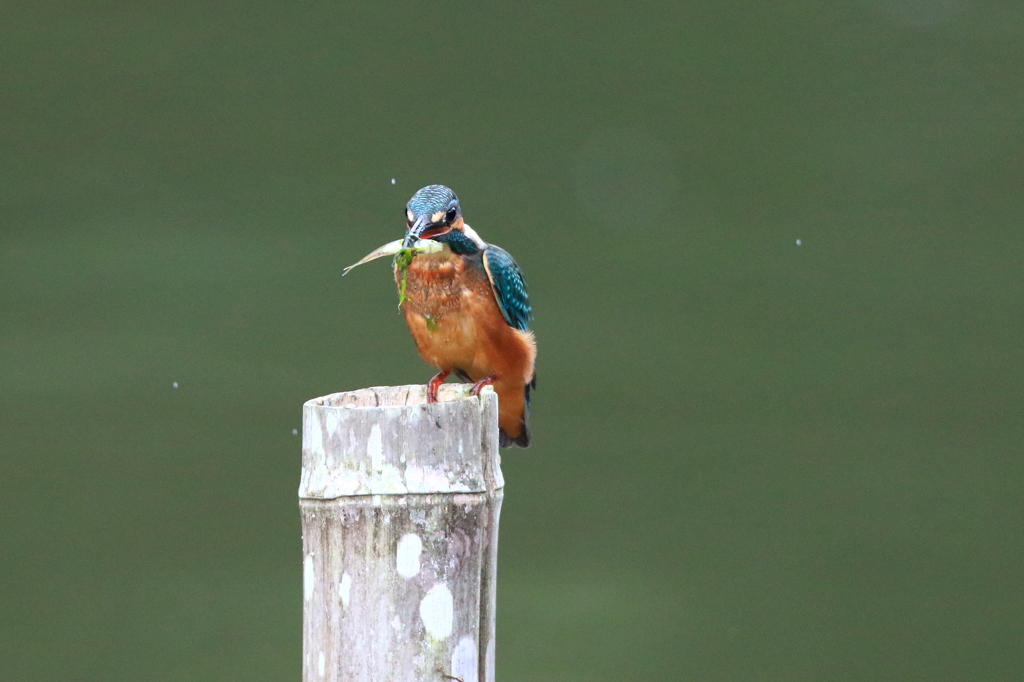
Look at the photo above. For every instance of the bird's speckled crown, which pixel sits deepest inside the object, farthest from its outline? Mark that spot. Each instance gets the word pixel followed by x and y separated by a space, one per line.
pixel 430 200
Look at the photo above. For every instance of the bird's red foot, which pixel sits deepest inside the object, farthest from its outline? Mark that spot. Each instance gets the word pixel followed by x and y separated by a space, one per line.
pixel 479 386
pixel 435 384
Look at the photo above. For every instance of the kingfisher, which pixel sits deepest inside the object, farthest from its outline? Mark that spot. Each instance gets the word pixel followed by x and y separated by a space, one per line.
pixel 466 307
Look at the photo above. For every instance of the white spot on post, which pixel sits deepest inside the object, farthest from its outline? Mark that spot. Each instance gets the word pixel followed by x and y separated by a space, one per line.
pixel 438 611
pixel 321 664
pixel 422 479
pixel 375 448
pixel 333 426
pixel 307 577
pixel 408 556
pixel 345 588
pixel 464 663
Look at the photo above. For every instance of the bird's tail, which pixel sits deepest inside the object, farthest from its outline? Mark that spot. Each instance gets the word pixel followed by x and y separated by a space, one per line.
pixel 523 439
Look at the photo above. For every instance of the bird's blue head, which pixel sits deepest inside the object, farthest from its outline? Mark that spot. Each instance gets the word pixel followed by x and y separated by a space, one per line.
pixel 432 211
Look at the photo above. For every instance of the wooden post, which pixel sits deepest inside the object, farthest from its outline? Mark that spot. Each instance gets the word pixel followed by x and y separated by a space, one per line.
pixel 400 503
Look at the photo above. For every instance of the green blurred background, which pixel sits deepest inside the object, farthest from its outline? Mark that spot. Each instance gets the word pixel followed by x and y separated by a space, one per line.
pixel 754 458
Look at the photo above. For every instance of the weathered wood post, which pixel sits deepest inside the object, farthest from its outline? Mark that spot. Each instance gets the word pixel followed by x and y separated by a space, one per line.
pixel 400 503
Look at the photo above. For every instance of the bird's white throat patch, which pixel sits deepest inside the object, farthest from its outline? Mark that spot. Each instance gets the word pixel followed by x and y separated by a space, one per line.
pixel 471 233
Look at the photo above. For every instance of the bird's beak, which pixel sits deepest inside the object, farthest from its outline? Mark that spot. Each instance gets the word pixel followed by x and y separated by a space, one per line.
pixel 415 230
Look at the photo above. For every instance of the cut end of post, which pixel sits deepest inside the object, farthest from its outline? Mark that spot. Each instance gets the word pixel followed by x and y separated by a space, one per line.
pixel 393 396
pixel 387 440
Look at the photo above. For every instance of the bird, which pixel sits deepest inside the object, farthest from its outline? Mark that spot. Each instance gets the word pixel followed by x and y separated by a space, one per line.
pixel 467 309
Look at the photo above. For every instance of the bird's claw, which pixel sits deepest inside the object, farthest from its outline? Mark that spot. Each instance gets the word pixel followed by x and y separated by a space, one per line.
pixel 435 384
pixel 479 386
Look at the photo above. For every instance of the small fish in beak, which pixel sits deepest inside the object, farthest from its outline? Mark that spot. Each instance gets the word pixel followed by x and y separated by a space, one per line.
pixel 392 248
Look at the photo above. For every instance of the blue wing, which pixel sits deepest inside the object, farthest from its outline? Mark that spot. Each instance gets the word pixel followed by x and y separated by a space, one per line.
pixel 509 286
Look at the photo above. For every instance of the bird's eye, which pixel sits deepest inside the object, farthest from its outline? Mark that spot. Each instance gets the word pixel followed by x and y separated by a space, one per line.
pixel 452 213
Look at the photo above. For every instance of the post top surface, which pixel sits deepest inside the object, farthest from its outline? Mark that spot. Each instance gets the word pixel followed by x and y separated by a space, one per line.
pixel 387 440
pixel 391 396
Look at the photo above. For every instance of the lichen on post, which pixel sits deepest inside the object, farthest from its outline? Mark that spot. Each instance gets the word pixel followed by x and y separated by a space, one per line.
pixel 400 502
